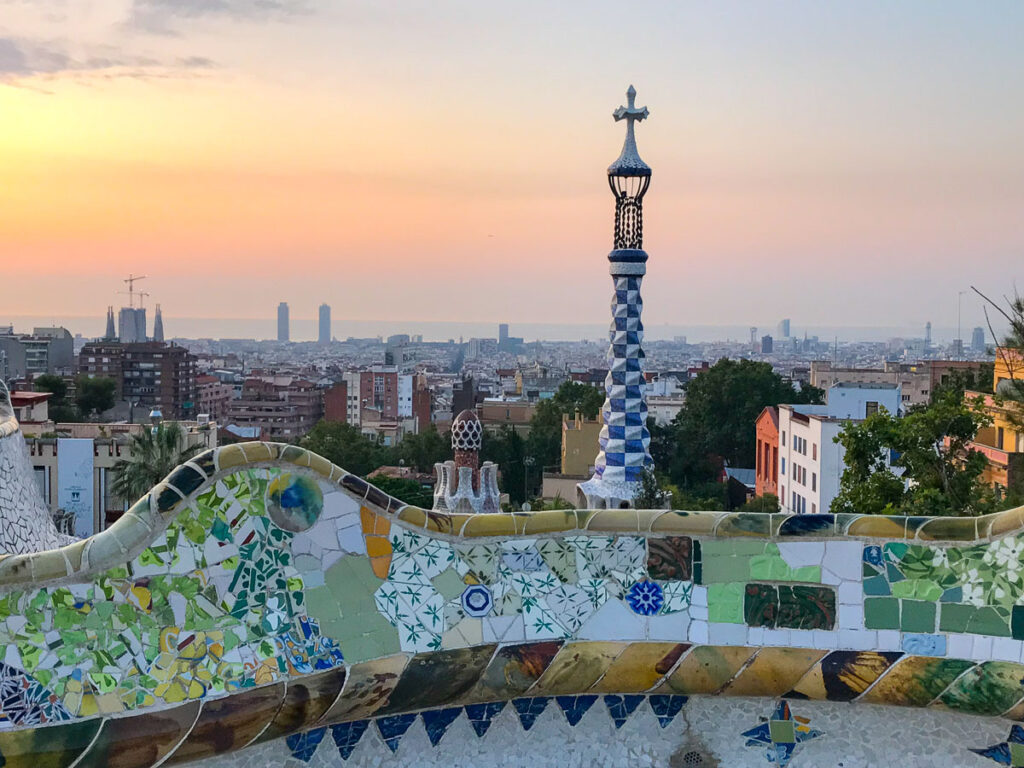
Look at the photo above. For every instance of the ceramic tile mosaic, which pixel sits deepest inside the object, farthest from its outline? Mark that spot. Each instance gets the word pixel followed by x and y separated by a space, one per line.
pixel 263 597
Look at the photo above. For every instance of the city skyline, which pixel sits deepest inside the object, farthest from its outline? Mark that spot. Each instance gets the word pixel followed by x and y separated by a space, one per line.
pixel 855 151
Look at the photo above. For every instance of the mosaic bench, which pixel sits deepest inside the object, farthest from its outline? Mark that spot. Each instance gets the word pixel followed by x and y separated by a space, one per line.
pixel 263 596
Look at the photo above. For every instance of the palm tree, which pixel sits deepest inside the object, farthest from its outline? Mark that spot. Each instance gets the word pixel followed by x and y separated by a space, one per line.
pixel 153 453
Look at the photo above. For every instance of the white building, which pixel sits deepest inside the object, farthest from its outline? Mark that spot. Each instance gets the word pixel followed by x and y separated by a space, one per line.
pixel 811 463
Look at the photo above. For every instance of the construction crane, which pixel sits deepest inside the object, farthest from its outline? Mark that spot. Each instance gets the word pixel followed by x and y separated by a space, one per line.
pixel 132 293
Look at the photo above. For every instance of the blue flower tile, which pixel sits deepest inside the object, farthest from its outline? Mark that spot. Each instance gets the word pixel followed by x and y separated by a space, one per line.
pixel 645 598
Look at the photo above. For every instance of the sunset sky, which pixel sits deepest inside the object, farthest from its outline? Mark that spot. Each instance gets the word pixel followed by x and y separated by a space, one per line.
pixel 838 163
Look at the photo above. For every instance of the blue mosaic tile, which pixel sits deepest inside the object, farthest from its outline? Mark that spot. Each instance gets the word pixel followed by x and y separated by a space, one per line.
pixel 645 598
pixel 925 645
pixel 481 715
pixel 665 708
pixel 780 734
pixel 347 735
pixel 873 555
pixel 530 709
pixel 799 525
pixel 1005 753
pixel 477 600
pixel 303 745
pixel 393 728
pixel 436 722
pixel 574 707
pixel 621 707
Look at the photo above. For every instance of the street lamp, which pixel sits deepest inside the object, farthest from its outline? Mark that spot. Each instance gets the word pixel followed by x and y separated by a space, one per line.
pixel 528 462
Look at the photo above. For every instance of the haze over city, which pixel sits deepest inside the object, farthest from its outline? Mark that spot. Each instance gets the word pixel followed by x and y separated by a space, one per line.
pixel 443 162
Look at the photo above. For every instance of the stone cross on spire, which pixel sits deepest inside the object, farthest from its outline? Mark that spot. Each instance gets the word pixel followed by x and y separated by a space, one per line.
pixel 629 162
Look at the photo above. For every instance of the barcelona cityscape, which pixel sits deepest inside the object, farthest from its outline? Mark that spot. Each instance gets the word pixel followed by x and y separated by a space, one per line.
pixel 487 385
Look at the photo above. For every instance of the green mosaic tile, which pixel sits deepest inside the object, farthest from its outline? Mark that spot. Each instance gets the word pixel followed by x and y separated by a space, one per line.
pixel 882 613
pixel 449 584
pixel 954 617
pixel 917 616
pixel 917 589
pixel 725 603
pixel 988 621
pixel 806 607
pixel 990 688
pixel 719 569
pixel 1017 622
pixel 877 586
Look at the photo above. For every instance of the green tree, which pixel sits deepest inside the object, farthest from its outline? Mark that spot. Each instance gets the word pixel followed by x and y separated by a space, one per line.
pixel 58 407
pixel 507 449
pixel 1011 351
pixel 344 445
pixel 152 454
pixel 409 491
pixel 716 423
pixel 768 503
pixel 424 450
pixel 941 473
pixel 94 395
pixel 651 496
pixel 575 396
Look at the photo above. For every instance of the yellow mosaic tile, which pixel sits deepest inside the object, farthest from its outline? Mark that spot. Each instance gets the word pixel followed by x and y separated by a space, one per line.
pixel 255 452
pixel 614 521
pixel 1009 521
pixel 843 675
pixel 640 667
pixel 550 521
pixel 230 456
pixel 773 672
pixel 686 523
pixel 705 669
pixel 47 566
pixel 576 668
pixel 949 529
pixel 877 527
pixel 494 524
pixel 414 517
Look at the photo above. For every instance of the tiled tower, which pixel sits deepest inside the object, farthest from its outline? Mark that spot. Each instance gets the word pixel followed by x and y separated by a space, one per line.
pixel 625 440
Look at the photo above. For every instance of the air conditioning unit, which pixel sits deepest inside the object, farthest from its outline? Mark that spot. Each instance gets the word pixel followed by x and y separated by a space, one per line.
pixel 203 419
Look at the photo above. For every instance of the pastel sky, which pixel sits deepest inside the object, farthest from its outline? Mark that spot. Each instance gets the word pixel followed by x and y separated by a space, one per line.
pixel 851 163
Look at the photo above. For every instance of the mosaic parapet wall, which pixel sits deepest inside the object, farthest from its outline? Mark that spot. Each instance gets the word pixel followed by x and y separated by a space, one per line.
pixel 262 594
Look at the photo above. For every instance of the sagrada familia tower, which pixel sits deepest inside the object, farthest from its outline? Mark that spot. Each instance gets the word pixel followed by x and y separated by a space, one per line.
pixel 625 440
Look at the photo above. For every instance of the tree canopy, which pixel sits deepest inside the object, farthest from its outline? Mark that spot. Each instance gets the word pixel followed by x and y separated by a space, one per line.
pixel 94 395
pixel 405 489
pixel 153 453
pixel 941 475
pixel 716 422
pixel 59 407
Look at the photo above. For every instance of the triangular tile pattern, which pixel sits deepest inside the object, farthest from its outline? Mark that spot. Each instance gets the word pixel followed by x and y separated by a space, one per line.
pixel 481 715
pixel 530 709
pixel 436 722
pixel 621 707
pixel 575 707
pixel 303 745
pixel 347 735
pixel 393 728
pixel 666 708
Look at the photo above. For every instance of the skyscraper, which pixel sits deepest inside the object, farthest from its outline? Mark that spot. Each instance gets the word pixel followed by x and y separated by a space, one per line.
pixel 782 331
pixel 111 329
pixel 282 321
pixel 978 340
pixel 503 334
pixel 324 336
pixel 624 440
pixel 158 325
pixel 928 333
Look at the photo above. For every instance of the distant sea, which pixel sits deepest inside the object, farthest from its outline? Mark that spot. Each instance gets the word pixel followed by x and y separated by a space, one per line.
pixel 304 329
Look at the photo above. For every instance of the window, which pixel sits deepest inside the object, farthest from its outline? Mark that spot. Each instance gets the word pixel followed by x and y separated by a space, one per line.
pixel 775 464
pixel 783 466
pixel 814 481
pixel 1000 437
pixel 783 437
pixel 871 408
pixel 814 451
pixel 814 508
